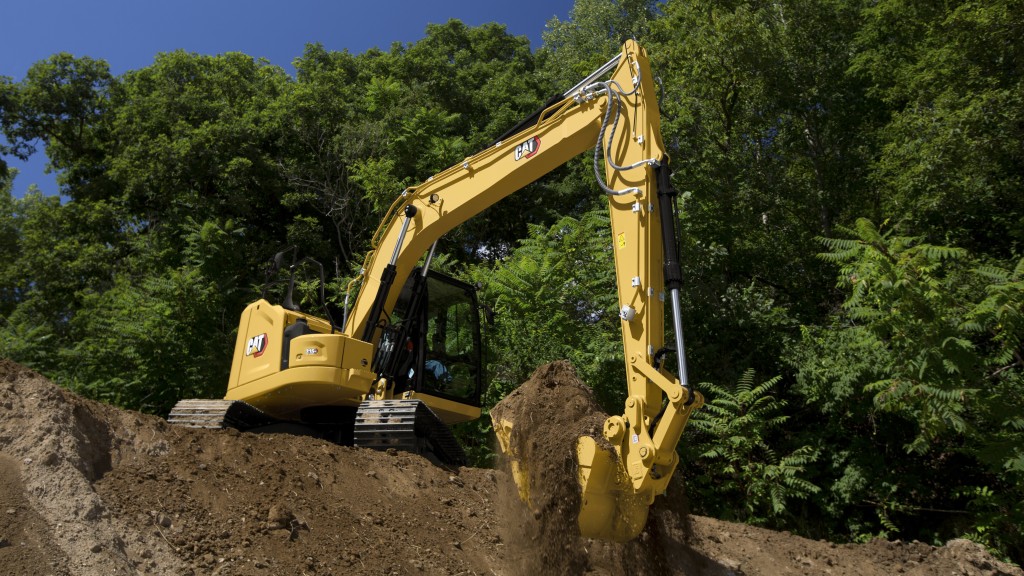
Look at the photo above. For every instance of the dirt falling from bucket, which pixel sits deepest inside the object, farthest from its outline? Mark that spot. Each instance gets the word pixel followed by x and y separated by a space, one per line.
pixel 549 412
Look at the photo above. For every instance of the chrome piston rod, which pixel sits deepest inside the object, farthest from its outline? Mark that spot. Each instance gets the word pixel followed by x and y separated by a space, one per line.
pixel 608 67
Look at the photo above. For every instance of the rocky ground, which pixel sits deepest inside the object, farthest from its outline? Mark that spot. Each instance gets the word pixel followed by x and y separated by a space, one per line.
pixel 89 489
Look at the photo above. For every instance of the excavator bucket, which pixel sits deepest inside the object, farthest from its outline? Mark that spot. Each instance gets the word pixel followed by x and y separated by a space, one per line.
pixel 573 462
pixel 609 508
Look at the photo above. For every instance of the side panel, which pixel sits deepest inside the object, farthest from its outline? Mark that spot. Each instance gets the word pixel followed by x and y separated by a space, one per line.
pixel 255 358
pixel 323 369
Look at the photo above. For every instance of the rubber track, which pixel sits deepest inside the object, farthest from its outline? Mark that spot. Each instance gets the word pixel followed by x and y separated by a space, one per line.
pixel 406 425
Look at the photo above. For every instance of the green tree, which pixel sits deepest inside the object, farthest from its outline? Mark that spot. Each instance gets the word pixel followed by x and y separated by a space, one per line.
pixel 61 250
pixel 950 152
pixel 227 155
pixel 737 470
pixel 554 298
pixel 9 248
pixel 61 103
pixel 932 338
pixel 111 278
pixel 199 135
pixel 150 340
pixel 593 33
pixel 764 131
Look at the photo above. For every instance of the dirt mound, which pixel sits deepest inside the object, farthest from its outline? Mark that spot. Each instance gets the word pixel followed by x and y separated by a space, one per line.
pixel 89 489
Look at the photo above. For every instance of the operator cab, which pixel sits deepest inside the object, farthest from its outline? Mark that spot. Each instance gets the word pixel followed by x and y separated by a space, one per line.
pixel 431 347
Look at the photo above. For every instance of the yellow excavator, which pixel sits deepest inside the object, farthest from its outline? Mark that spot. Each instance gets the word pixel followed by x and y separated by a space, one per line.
pixel 405 361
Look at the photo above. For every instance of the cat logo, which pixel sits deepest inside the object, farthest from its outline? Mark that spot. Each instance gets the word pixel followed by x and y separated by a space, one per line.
pixel 256 345
pixel 527 149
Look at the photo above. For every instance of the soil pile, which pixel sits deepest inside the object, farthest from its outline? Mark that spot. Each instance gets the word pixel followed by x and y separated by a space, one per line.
pixel 88 489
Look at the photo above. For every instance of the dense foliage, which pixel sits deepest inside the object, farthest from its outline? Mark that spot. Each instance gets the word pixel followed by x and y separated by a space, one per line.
pixel 853 229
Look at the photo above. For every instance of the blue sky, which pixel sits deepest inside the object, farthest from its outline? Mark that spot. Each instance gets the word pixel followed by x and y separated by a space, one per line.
pixel 129 33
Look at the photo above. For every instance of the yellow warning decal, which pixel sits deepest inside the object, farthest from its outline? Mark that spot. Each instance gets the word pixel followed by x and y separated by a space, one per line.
pixel 622 240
